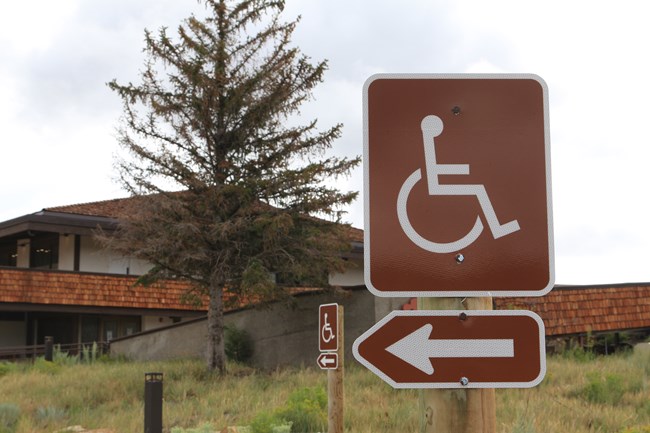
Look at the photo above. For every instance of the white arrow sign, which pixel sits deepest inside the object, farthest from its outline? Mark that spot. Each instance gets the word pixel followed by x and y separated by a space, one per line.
pixel 328 360
pixel 466 348
pixel 417 349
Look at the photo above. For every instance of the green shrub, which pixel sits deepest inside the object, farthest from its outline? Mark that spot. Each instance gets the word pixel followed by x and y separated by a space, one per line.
pixel 9 415
pixel 607 390
pixel 6 368
pixel 266 422
pixel 46 367
pixel 238 344
pixel 263 423
pixel 60 357
pixel 306 410
pixel 578 354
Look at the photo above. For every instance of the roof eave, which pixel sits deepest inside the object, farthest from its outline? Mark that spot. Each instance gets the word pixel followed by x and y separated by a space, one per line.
pixel 57 222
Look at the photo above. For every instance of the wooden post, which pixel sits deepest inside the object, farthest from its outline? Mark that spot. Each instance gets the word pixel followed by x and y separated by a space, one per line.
pixel 457 410
pixel 49 348
pixel 335 392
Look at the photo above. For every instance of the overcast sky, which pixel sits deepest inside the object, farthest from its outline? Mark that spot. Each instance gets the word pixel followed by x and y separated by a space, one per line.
pixel 57 116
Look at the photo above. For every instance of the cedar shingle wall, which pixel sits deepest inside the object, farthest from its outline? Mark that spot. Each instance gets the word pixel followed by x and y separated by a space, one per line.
pixel 567 310
pixel 83 289
pixel 574 310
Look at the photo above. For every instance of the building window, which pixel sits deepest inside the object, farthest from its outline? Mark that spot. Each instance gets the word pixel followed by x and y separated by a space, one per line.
pixel 8 253
pixel 44 252
pixel 115 327
pixel 90 326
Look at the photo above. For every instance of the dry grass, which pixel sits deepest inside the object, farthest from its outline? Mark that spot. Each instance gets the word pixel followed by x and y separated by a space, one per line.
pixel 606 394
pixel 609 394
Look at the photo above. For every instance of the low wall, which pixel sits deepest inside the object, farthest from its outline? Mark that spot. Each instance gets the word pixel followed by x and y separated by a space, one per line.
pixel 281 335
pixel 182 340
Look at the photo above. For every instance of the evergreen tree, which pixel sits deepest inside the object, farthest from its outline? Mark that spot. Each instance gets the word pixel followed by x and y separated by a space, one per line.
pixel 230 195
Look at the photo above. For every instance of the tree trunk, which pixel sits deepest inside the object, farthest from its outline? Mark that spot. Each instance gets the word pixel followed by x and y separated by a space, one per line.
pixel 216 356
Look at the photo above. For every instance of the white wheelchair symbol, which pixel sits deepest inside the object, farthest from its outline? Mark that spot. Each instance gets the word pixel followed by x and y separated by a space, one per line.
pixel 432 127
pixel 326 333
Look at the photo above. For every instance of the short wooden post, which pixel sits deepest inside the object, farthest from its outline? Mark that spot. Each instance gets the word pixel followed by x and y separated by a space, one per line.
pixel 49 348
pixel 457 410
pixel 335 391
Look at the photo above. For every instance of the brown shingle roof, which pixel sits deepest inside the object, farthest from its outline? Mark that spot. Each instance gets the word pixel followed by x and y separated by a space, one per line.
pixel 356 235
pixel 577 310
pixel 118 207
pixel 106 208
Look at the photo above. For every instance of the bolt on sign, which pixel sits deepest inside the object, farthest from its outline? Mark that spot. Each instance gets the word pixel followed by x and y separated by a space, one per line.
pixel 457 186
pixel 455 349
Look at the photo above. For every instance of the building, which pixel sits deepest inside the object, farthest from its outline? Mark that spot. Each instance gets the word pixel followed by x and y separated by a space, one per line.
pixel 56 280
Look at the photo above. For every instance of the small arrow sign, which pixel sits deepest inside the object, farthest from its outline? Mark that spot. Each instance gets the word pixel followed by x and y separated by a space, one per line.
pixel 328 361
pixel 455 349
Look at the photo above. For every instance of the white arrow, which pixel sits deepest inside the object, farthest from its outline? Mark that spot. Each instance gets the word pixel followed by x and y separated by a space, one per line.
pixel 416 348
pixel 327 360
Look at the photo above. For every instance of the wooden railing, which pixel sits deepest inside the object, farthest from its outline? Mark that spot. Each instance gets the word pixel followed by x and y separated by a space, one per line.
pixel 18 353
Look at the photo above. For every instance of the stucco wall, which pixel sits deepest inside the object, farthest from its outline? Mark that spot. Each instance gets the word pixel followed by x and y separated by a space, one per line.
pixel 154 322
pixel 93 258
pixel 353 276
pixel 66 252
pixel 281 336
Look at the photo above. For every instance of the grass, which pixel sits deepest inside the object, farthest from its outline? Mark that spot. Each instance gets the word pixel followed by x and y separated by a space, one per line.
pixel 603 394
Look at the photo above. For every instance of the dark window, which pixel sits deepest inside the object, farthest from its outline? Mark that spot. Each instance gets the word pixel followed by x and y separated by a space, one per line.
pixel 90 329
pixel 44 252
pixel 8 253
pixel 130 326
pixel 115 327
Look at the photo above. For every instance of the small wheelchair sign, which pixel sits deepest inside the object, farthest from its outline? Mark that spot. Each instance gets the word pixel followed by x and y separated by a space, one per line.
pixel 328 327
pixel 457 186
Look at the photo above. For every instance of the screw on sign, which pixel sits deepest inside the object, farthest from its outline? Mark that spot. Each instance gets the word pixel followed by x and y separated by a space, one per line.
pixel 457 186
pixel 455 349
